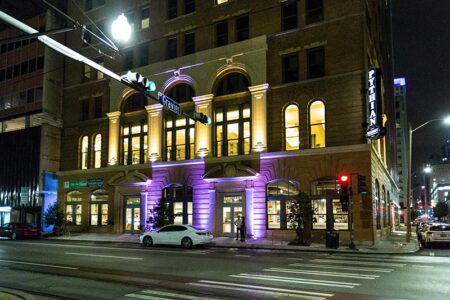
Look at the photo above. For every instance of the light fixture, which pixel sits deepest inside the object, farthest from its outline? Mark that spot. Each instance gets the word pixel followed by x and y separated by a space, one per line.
pixel 153 157
pixel 121 29
pixel 259 147
pixel 202 152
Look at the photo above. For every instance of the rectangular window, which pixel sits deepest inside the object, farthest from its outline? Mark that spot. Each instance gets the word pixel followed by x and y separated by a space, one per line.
pixel 84 109
pixel 340 218
pixel 24 67
pixel 30 96
pixel 130 19
pixel 91 4
pixel 143 55
pixel 273 214
pixel 316 62
pixel 31 65
pixel 16 70
pixel 98 112
pixel 98 74
pixel 221 1
pixel 320 213
pixel 9 73
pixel 221 33
pixel 86 72
pixel 2 74
pixel 129 59
pixel 289 16
pixel 38 94
pixel 172 9
pixel 314 11
pixel 171 47
pixel 40 63
pixel 290 67
pixel 189 43
pixel 145 18
pixel 242 28
pixel 189 6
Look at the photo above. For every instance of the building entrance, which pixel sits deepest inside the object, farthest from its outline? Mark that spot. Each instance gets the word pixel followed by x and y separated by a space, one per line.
pixel 231 209
pixel 132 214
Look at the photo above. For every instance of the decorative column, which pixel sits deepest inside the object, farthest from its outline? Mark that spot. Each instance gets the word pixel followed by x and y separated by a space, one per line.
pixel 114 134
pixel 259 119
pixel 203 143
pixel 154 132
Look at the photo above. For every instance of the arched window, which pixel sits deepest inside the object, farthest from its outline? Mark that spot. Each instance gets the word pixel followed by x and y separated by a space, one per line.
pixel 377 204
pixel 279 194
pixel 232 83
pixel 178 198
pixel 98 151
pixel 134 102
pixel 317 124
pixel 99 208
pixel 181 92
pixel 84 152
pixel 291 127
pixel 73 208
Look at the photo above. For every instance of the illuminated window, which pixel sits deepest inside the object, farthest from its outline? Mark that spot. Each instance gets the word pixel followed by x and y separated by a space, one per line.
pixel 221 1
pixel 291 127
pixel 145 18
pixel 280 194
pixel 98 151
pixel 134 143
pixel 178 198
pixel 99 208
pixel 180 137
pixel 317 124
pixel 84 152
pixel 73 208
pixel 87 72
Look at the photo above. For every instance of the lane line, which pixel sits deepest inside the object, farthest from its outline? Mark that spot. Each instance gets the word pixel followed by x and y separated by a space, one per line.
pixel 104 256
pixel 297 280
pixel 368 263
pixel 138 296
pixel 176 295
pixel 333 274
pixel 342 268
pixel 37 264
pixel 421 266
pixel 342 257
pixel 262 289
pixel 293 258
pixel 241 255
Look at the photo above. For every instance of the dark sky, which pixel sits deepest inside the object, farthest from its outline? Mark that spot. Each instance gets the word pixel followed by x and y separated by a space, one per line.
pixel 422 55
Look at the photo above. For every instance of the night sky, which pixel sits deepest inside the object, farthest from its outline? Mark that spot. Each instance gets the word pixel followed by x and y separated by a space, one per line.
pixel 422 55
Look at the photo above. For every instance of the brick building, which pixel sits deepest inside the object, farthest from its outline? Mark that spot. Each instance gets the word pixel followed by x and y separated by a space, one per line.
pixel 285 85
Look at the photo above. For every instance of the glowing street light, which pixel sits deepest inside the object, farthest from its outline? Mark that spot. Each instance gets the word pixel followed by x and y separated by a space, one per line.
pixel 121 29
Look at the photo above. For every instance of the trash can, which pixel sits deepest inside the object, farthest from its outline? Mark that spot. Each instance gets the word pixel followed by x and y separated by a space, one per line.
pixel 332 239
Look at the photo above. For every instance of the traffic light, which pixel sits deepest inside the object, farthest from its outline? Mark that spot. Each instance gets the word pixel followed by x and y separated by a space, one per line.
pixel 362 189
pixel 137 80
pixel 198 116
pixel 344 191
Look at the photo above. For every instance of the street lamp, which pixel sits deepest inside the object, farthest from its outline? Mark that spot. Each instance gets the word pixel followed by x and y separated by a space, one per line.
pixel 121 29
pixel 427 170
pixel 407 218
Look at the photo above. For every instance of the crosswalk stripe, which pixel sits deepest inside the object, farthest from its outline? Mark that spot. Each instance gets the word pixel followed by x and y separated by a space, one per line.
pixel 352 262
pixel 296 280
pixel 138 296
pixel 264 289
pixel 342 268
pixel 333 274
pixel 183 296
pixel 364 258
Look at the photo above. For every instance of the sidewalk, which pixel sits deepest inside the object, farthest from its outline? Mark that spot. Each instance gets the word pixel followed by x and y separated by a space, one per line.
pixel 394 244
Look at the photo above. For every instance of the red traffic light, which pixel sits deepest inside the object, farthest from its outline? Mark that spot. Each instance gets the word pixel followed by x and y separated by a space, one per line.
pixel 343 178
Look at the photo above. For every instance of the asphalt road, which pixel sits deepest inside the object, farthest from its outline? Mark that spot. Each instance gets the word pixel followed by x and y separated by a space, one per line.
pixel 68 270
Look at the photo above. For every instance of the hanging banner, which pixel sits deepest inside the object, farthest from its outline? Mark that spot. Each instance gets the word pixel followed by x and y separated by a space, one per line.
pixel 375 128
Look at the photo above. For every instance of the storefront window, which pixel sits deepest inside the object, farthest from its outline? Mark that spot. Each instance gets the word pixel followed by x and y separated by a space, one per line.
pixel 340 218
pixel 280 194
pixel 180 137
pixel 319 218
pixel 134 143
pixel 73 208
pixel 317 124
pixel 99 208
pixel 178 197
pixel 291 126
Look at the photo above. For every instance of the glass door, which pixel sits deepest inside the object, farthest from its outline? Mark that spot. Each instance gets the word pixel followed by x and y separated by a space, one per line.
pixel 132 214
pixel 232 208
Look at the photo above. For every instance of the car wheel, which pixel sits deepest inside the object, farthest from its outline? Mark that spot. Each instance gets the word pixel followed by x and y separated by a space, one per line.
pixel 186 243
pixel 147 241
pixel 13 236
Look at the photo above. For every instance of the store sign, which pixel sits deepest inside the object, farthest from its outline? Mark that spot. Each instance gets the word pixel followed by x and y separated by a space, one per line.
pixel 24 195
pixel 375 128
pixel 83 183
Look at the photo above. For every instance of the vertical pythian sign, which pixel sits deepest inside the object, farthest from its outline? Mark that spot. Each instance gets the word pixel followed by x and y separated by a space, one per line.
pixel 375 129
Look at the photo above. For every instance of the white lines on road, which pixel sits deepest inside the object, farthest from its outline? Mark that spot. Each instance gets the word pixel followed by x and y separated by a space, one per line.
pixel 364 258
pixel 242 255
pixel 421 266
pixel 104 256
pixel 280 292
pixel 152 294
pixel 297 280
pixel 139 296
pixel 369 263
pixel 36 264
pixel 342 268
pixel 294 258
pixel 320 273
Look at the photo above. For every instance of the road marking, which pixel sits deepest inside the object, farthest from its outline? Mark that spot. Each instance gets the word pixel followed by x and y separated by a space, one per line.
pixel 342 268
pixel 36 264
pixel 420 266
pixel 261 289
pixel 242 255
pixel 431 253
pixel 364 258
pixel 104 256
pixel 138 296
pixel 297 280
pixel 293 258
pixel 320 273
pixel 368 263
pixel 151 292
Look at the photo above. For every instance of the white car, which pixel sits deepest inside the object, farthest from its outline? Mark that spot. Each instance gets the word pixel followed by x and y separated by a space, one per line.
pixel 436 233
pixel 183 235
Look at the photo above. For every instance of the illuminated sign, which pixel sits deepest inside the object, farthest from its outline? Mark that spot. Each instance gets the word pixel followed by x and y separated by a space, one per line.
pixel 83 183
pixel 375 128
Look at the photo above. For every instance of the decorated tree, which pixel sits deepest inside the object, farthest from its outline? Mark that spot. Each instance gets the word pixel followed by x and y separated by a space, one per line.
pixel 300 218
pixel 161 215
pixel 53 216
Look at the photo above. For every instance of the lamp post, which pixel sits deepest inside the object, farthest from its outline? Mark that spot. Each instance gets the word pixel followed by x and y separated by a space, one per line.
pixel 408 198
pixel 427 170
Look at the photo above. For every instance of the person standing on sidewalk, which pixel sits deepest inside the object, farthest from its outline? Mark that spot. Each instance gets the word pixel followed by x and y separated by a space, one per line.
pixel 243 230
pixel 238 224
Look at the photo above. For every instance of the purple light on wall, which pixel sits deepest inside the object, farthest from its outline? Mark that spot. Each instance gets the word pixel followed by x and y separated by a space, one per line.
pixel 400 81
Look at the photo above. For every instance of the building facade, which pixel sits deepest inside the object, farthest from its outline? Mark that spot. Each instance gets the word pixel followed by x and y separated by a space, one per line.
pixel 284 83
